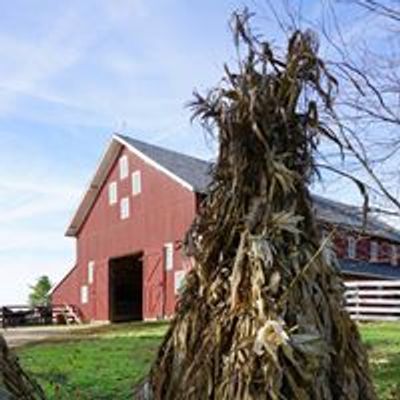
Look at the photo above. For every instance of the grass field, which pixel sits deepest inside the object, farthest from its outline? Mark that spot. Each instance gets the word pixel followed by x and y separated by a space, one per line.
pixel 106 362
pixel 383 344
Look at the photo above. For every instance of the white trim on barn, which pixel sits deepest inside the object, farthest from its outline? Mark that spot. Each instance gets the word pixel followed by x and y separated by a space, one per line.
pixel 90 194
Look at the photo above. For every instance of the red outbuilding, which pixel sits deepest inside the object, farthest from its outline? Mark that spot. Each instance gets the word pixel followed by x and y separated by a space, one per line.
pixel 134 215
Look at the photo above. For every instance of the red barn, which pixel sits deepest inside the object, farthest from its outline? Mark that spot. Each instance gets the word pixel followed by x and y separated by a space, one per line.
pixel 134 214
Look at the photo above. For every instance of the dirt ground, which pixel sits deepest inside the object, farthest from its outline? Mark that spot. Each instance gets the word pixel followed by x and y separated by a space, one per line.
pixel 17 337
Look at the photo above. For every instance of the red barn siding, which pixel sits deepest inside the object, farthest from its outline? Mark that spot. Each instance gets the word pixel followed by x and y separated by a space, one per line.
pixel 340 244
pixel 161 213
pixel 363 248
pixel 363 245
pixel 385 251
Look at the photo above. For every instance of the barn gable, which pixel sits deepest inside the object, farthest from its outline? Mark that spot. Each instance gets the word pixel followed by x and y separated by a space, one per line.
pixel 136 240
pixel 190 172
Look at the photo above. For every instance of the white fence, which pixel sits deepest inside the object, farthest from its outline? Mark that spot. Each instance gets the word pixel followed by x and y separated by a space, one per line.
pixel 373 300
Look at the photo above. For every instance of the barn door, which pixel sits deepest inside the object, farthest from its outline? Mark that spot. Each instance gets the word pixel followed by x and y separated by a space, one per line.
pixel 154 286
pixel 126 288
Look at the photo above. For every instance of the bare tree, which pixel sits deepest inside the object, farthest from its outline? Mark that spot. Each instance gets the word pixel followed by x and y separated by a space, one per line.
pixel 368 112
pixel 387 8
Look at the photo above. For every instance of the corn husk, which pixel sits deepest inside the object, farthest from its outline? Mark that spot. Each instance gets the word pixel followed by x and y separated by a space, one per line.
pixel 15 383
pixel 261 315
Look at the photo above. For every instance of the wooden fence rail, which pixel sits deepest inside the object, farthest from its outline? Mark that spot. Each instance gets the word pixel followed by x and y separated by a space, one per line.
pixel 373 300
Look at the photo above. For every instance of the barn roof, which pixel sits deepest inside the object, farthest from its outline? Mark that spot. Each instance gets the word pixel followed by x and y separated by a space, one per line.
pixel 194 174
pixel 192 170
pixel 365 268
pixel 351 217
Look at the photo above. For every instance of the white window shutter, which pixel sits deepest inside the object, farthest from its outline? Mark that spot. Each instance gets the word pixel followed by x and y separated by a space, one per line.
pixel 84 294
pixel 90 272
pixel 123 167
pixel 124 208
pixel 351 247
pixel 179 279
pixel 112 193
pixel 374 251
pixel 136 183
pixel 169 256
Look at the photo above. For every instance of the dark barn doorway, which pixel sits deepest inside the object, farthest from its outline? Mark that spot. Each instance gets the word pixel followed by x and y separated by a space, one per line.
pixel 126 288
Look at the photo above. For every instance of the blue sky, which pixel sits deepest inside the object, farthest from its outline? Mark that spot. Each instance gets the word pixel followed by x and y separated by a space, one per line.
pixel 72 73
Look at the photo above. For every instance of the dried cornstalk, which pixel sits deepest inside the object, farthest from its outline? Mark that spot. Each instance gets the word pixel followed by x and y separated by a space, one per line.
pixel 15 384
pixel 261 315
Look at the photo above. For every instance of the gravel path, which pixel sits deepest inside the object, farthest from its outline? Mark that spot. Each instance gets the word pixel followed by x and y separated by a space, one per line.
pixel 16 337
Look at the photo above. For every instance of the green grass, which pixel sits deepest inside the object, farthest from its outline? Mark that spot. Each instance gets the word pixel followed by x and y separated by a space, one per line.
pixel 102 364
pixel 383 344
pixel 105 363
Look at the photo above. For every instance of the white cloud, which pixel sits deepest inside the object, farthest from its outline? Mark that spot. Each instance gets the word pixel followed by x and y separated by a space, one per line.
pixel 30 64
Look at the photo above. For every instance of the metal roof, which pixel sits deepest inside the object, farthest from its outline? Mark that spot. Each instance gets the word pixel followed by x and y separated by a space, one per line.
pixel 194 174
pixel 336 213
pixel 365 268
pixel 193 170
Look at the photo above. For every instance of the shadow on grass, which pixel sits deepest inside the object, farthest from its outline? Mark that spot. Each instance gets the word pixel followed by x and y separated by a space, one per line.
pixel 55 378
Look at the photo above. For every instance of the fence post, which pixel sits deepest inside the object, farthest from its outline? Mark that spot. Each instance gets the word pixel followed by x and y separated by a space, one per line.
pixel 357 303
